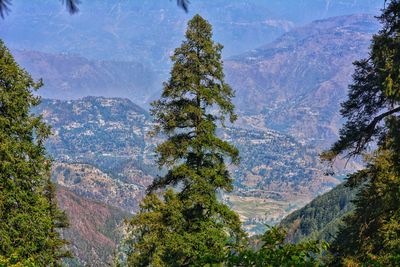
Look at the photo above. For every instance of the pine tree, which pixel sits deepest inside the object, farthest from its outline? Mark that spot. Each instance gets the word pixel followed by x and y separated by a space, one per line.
pixel 375 92
pixel 275 251
pixel 371 235
pixel 26 222
pixel 59 220
pixel 189 226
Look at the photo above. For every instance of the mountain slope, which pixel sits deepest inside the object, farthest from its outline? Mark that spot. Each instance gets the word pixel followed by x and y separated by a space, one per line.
pixel 91 183
pixel 301 78
pixel 320 218
pixel 147 31
pixel 104 153
pixel 109 133
pixel 94 229
pixel 72 76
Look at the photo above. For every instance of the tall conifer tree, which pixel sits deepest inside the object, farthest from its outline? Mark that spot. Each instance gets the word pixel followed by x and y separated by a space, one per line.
pixel 189 226
pixel 371 235
pixel 58 220
pixel 27 214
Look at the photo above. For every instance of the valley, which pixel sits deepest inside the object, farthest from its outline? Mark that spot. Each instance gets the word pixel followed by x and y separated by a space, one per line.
pixel 289 84
pixel 296 83
pixel 103 153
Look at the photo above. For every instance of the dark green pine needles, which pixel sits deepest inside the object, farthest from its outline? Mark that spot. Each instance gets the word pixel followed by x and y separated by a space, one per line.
pixel 188 225
pixel 371 234
pixel 29 216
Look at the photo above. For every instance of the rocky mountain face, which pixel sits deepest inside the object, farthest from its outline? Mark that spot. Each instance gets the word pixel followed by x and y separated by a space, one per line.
pixel 296 83
pixel 71 76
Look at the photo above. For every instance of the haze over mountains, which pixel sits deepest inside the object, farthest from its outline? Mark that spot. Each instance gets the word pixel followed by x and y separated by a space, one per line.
pixel 301 78
pixel 72 76
pixel 290 75
pixel 147 31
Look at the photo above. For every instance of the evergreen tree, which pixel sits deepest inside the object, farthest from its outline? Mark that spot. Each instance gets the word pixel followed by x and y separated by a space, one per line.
pixel 59 220
pixel 371 235
pixel 189 226
pixel 27 228
pixel 375 92
pixel 275 251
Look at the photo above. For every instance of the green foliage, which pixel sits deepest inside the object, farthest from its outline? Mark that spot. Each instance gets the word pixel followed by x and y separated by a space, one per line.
pixel 320 218
pixel 27 202
pixel 374 94
pixel 190 227
pixel 276 252
pixel 59 220
pixel 371 234
pixel 15 261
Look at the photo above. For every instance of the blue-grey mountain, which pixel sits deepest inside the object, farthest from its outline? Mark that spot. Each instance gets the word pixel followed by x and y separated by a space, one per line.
pixel 296 83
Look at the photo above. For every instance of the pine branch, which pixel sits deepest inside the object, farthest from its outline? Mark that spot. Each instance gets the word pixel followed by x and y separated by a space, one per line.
pixel 72 5
pixel 184 4
pixel 369 130
pixel 4 7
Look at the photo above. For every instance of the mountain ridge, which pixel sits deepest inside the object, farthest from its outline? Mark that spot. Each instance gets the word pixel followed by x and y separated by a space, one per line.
pixel 67 76
pixel 301 78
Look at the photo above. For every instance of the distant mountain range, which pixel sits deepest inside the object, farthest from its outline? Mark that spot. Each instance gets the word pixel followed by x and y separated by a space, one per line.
pixel 296 83
pixel 299 79
pixel 71 76
pixel 287 95
pixel 147 31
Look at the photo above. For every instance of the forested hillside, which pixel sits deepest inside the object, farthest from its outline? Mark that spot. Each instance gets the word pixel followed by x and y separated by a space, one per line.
pixel 321 218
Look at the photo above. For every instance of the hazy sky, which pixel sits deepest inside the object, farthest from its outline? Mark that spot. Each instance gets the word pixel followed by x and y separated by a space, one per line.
pixel 148 30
